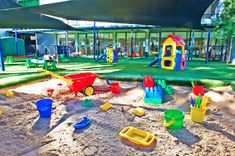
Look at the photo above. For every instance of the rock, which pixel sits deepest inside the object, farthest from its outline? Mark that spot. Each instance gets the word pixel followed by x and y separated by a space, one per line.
pixel 126 108
pixel 90 150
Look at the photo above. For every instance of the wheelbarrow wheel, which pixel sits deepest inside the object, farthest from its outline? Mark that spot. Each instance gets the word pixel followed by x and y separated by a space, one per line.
pixel 89 90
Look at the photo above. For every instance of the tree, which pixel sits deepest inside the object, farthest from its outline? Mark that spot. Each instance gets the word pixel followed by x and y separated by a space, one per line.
pixel 224 27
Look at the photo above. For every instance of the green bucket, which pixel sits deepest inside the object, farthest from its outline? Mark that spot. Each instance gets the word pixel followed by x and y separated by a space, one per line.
pixel 174 119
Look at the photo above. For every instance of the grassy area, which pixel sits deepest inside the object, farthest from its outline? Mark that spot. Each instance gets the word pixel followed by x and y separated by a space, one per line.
pixel 211 74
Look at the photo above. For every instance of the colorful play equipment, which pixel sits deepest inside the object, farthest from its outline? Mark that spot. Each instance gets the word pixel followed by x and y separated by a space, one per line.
pixel 139 111
pixel 44 107
pixel 46 64
pixel 12 59
pixel 83 123
pixel 174 119
pixel 155 90
pixel 137 136
pixel 136 52
pixel 198 108
pixel 196 89
pixel 172 56
pixel 110 56
pixel 87 103
pixel 106 106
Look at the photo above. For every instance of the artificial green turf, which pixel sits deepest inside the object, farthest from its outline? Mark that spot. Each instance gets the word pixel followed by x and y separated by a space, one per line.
pixel 211 74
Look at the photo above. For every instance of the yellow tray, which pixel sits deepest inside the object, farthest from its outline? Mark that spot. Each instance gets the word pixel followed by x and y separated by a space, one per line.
pixel 106 106
pixel 137 136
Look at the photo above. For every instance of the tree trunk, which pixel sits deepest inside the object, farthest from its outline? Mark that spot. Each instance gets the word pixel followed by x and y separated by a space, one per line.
pixel 232 51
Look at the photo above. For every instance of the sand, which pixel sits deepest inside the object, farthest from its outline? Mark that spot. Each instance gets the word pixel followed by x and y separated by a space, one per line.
pixel 24 133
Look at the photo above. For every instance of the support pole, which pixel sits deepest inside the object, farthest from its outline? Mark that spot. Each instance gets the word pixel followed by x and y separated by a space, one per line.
pixel 1 57
pixel 17 44
pixel 94 41
pixel 132 44
pixel 125 49
pixel 207 46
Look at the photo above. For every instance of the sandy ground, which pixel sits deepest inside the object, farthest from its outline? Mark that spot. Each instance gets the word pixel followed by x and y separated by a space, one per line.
pixel 24 133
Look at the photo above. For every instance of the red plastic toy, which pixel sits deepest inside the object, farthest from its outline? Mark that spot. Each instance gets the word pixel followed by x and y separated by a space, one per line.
pixel 115 88
pixel 196 89
pixel 82 83
pixel 148 82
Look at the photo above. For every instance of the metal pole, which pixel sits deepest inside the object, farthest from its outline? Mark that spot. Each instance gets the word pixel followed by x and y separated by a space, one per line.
pixel 1 57
pixel 125 43
pixel 94 41
pixel 17 45
pixel 207 46
pixel 131 44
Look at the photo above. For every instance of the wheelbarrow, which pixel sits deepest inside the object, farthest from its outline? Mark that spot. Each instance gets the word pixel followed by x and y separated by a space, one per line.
pixel 82 83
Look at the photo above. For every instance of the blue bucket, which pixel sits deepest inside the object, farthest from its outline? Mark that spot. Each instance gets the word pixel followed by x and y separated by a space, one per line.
pixel 44 107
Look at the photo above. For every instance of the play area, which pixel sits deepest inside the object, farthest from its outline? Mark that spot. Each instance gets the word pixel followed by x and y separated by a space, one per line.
pixel 159 80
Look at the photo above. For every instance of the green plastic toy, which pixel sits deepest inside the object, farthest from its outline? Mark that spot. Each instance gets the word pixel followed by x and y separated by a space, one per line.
pixel 198 101
pixel 169 90
pixel 87 103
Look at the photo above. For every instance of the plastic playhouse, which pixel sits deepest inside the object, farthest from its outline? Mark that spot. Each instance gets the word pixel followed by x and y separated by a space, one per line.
pixel 173 55
pixel 110 56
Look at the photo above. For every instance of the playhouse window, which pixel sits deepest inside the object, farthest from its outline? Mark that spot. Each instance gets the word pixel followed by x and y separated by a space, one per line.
pixel 168 63
pixel 168 51
pixel 178 48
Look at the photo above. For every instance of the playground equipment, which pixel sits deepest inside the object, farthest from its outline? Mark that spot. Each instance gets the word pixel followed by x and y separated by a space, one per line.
pixel 196 89
pixel 83 123
pixel 44 107
pixel 12 59
pixel 106 106
pixel 174 119
pixel 46 64
pixel 137 136
pixel 139 111
pixel 110 56
pixel 136 52
pixel 172 56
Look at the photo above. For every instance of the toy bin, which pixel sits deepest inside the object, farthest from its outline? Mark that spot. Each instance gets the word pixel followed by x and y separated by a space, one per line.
pixel 44 107
pixel 174 119
pixel 197 114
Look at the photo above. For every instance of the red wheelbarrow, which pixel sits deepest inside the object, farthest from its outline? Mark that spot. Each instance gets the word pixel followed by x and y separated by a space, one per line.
pixel 82 83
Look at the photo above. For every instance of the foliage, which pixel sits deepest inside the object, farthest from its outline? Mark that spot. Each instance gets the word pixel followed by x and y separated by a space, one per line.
pixel 225 27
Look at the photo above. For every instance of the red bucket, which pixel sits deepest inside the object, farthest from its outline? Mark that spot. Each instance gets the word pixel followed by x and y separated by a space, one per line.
pixel 198 90
pixel 115 88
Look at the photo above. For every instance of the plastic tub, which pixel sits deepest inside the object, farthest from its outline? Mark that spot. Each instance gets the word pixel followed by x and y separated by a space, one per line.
pixel 174 119
pixel 44 107
pixel 197 114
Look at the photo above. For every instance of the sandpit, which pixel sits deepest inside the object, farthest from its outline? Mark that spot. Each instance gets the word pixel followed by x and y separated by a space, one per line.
pixel 24 133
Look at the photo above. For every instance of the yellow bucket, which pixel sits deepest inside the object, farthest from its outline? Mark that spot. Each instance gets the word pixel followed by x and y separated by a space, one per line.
pixel 197 114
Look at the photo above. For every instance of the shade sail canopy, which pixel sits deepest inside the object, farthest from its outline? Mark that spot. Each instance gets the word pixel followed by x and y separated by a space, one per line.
pixel 16 18
pixel 165 13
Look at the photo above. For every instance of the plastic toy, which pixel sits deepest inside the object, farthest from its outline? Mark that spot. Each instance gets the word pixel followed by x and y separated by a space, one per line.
pixel 148 82
pixel 106 106
pixel 44 107
pixel 137 136
pixel 87 103
pixel 168 90
pixel 136 52
pixel 173 56
pixel 198 108
pixel 110 56
pixel 83 123
pixel 8 94
pixel 115 88
pixel 174 119
pixel 153 95
pixel 139 111
pixel 1 112
pixel 196 89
